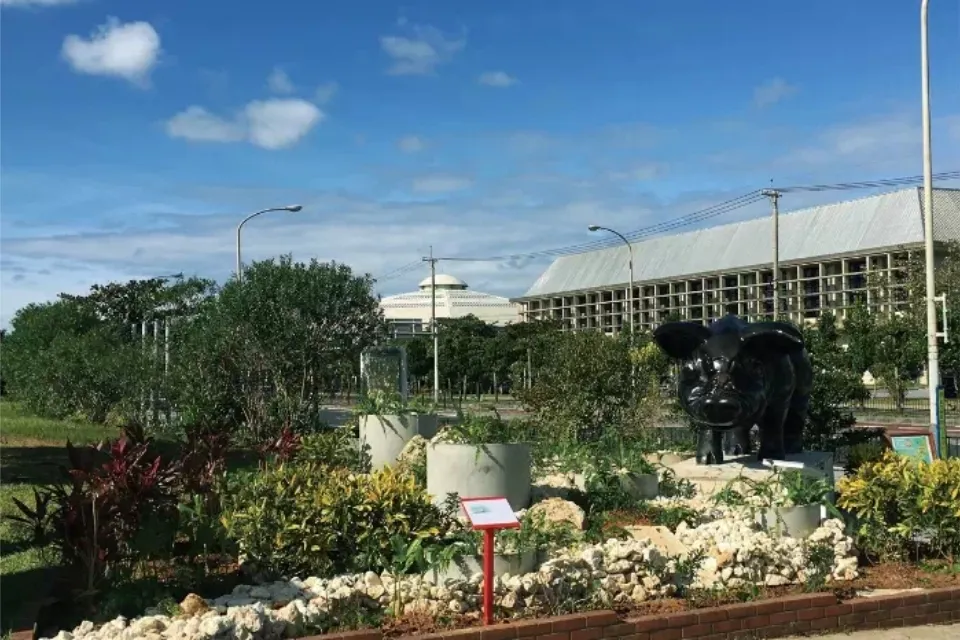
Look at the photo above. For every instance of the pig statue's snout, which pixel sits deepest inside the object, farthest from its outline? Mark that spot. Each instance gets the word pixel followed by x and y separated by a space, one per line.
pixel 721 411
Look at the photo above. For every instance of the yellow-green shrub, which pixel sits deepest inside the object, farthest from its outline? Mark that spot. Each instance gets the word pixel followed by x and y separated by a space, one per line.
pixel 308 519
pixel 905 507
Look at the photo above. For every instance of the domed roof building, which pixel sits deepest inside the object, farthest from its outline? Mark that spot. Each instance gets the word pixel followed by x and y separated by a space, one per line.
pixel 409 313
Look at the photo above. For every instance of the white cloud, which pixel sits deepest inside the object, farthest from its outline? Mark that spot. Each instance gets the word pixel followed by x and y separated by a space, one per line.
pixel 197 124
pixel 771 92
pixel 276 124
pixel 279 81
pixel 441 183
pixel 410 144
pixel 497 79
pixel 419 52
pixel 123 50
pixel 36 3
pixel 269 124
pixel 326 92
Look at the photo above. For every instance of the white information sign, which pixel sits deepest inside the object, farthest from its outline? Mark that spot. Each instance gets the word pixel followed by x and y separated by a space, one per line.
pixel 490 513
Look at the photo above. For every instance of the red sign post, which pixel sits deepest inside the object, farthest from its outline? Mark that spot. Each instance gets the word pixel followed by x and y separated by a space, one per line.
pixel 489 515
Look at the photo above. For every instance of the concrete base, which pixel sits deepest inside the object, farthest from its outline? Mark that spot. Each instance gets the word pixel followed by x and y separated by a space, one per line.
pixel 709 479
pixel 642 486
pixel 386 435
pixel 792 522
pixel 480 471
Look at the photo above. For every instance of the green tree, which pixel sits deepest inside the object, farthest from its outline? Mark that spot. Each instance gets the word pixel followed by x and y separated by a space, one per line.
pixel 836 386
pixel 61 359
pixel 587 385
pixel 900 355
pixel 262 354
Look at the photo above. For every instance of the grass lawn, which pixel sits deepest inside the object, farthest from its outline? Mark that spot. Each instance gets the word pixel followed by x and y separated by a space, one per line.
pixel 31 449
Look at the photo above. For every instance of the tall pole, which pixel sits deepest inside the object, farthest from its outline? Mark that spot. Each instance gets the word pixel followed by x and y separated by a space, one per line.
pixel 933 356
pixel 293 208
pixel 433 326
pixel 774 196
pixel 594 227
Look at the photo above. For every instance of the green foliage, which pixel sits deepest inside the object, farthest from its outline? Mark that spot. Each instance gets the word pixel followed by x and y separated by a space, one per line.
pixel 836 386
pixel 333 448
pixel 62 360
pixel 782 489
pixel 309 519
pixel 905 508
pixel 258 356
pixel 486 428
pixel 589 382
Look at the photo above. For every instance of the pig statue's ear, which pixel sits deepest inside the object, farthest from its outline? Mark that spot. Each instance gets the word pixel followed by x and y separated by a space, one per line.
pixel 779 338
pixel 680 339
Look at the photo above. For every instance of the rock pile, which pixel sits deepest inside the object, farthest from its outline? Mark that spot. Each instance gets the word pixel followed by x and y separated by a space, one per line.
pixel 733 553
pixel 737 553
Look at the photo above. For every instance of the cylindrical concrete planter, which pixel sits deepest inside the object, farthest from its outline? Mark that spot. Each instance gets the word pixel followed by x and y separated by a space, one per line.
pixel 480 471
pixel 466 566
pixel 386 435
pixel 791 522
pixel 642 486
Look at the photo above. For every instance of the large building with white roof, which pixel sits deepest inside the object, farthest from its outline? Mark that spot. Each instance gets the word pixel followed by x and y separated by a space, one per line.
pixel 409 314
pixel 827 253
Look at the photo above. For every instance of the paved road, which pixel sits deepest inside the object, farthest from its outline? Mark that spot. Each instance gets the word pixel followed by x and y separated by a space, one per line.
pixel 947 632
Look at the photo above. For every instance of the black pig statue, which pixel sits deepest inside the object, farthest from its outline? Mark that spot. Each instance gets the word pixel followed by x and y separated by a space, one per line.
pixel 735 375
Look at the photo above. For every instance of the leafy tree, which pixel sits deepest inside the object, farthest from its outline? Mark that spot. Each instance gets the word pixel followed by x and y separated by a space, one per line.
pixel 61 360
pixel 138 301
pixel 587 385
pixel 261 354
pixel 836 385
pixel 901 351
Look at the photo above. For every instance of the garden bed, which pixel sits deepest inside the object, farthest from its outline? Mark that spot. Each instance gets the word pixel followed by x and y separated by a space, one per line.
pixel 774 614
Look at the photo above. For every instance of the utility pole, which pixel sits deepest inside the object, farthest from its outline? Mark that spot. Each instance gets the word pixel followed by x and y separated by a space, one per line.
pixel 433 325
pixel 774 196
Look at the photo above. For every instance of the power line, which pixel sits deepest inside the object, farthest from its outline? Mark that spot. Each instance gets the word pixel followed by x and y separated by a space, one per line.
pixel 713 211
pixel 399 271
pixel 705 214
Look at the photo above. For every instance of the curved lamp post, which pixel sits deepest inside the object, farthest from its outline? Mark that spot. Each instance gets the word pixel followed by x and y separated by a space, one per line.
pixel 594 227
pixel 933 355
pixel 293 208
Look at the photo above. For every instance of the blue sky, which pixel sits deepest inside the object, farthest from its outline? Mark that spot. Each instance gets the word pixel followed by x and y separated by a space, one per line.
pixel 135 135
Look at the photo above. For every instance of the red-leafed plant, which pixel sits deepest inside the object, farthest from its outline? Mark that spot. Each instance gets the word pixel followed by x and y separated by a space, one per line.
pixel 282 448
pixel 110 491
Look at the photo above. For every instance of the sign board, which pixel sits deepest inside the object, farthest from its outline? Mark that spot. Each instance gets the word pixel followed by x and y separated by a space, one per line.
pixel 490 513
pixel 916 446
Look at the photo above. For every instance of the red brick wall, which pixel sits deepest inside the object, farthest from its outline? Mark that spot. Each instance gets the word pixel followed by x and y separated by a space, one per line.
pixel 814 613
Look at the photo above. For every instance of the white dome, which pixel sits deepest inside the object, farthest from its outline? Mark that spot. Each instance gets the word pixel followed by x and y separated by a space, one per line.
pixel 453 300
pixel 443 280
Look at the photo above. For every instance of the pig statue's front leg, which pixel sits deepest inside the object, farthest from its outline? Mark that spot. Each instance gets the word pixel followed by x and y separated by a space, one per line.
pixel 709 446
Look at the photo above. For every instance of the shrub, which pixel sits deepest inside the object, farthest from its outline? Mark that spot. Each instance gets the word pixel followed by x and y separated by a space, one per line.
pixel 904 507
pixel 304 518
pixel 115 509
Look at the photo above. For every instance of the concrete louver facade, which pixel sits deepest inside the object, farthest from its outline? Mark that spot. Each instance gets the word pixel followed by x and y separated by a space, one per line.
pixel 827 255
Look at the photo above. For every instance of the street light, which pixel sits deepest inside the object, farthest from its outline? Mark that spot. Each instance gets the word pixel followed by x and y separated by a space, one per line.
pixel 933 357
pixel 293 208
pixel 594 227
